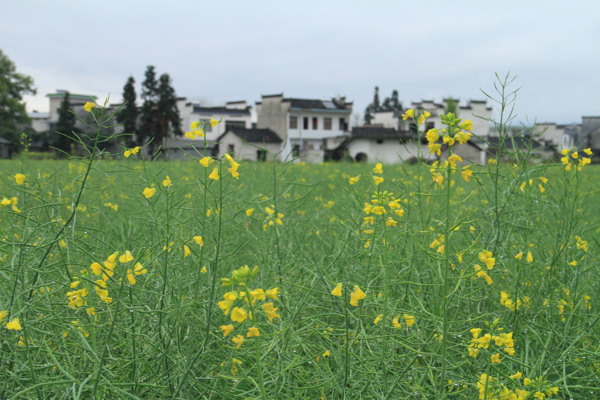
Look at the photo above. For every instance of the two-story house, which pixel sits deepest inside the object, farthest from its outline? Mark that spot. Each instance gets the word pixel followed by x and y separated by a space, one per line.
pixel 306 126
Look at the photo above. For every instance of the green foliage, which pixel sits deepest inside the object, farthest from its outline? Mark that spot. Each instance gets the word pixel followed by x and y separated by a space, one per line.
pixel 182 280
pixel 159 114
pixel 128 116
pixel 451 106
pixel 13 86
pixel 389 104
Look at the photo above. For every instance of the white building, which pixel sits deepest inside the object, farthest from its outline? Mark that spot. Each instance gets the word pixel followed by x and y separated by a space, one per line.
pixel 249 144
pixel 304 125
pixel 45 121
pixel 559 136
pixel 385 145
pixel 234 114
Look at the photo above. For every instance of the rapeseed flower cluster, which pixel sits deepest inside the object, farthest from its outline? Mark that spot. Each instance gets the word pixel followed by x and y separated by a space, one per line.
pixel 272 217
pixel 497 341
pixel 491 388
pixel 236 302
pixel 106 271
pixel 453 133
pixel 571 156
pixel 486 258
pixel 507 302
pixel 581 244
pixel 12 325
pixel 132 151
pixel 355 296
pixel 13 201
pixel 197 129
pixel 384 208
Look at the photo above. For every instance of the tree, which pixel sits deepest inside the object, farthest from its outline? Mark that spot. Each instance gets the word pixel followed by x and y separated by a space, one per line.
pixel 168 114
pixel 128 115
pixel 149 119
pixel 451 106
pixel 160 116
pixel 13 86
pixel 389 104
pixel 65 126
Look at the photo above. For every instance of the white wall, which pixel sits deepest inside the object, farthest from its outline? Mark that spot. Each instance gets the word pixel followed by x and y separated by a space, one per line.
pixel 320 133
pixel 245 151
pixel 390 151
pixel 385 119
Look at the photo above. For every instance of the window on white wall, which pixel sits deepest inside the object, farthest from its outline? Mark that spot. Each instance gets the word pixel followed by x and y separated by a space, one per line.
pixel 327 123
pixel 315 123
pixel 293 122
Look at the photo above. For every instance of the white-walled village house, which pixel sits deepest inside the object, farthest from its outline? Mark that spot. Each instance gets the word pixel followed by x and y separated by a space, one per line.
pixel 305 126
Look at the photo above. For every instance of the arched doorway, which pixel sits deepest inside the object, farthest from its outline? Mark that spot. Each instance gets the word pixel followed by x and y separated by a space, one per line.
pixel 361 157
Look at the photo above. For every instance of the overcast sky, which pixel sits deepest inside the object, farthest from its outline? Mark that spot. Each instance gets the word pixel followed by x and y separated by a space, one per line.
pixel 222 51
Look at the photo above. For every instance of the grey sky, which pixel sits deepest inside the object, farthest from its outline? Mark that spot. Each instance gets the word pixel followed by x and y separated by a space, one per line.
pixel 221 51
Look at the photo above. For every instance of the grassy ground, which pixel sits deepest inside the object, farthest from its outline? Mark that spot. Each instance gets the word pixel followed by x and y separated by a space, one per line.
pixel 405 289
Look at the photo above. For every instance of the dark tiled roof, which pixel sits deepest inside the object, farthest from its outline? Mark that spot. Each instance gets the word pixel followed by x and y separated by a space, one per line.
pixel 374 132
pixel 254 135
pixel 314 104
pixel 221 110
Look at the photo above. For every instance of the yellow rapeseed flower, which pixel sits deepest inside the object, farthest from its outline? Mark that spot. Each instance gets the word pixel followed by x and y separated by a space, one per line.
pixel 466 174
pixel 409 319
pixel 14 325
pixel 125 258
pixel 227 329
pixel 272 293
pixel 149 192
pixel 238 340
pixel 238 315
pixel 271 311
pixel 199 240
pixel 88 106
pixel 167 182
pixel 253 332
pixel 20 178
pixel 354 179
pixel 214 175
pixel 214 122
pixel 356 295
pixel 206 161
pixel 410 113
pixel 529 257
pixel 337 291
pixel 516 375
pixel 378 169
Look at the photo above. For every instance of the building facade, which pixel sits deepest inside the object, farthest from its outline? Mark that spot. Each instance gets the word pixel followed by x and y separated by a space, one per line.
pixel 304 125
